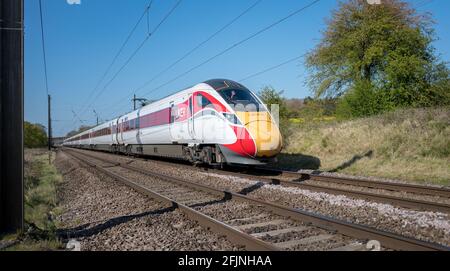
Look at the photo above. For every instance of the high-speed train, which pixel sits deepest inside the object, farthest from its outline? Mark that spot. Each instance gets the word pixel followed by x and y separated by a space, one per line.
pixel 216 122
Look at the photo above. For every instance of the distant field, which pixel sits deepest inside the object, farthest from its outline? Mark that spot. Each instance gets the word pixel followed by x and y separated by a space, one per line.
pixel 412 145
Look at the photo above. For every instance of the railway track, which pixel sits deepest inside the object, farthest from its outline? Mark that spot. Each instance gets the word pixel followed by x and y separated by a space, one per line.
pixel 256 224
pixel 296 179
pixel 399 187
pixel 410 203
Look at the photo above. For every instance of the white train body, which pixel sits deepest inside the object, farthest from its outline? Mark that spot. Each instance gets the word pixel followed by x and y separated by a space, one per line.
pixel 218 121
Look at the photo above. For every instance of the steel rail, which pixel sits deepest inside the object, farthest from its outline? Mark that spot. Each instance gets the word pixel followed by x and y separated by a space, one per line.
pixel 398 201
pixel 214 225
pixel 401 187
pixel 395 200
pixel 388 239
pixel 301 177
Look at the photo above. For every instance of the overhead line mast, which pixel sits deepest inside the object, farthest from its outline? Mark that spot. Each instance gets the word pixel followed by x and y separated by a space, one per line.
pixel 49 124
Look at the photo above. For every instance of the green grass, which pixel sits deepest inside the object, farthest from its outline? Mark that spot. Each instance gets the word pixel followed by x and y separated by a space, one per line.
pixel 36 245
pixel 40 195
pixel 41 205
pixel 412 145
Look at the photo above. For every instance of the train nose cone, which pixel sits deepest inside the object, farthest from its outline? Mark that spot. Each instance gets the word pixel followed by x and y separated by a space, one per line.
pixel 264 132
pixel 267 137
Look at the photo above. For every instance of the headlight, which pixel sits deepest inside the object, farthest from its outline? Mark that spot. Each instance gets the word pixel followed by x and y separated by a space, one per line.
pixel 232 118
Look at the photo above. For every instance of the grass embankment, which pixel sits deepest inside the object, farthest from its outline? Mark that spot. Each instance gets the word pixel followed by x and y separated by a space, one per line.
pixel 41 181
pixel 411 145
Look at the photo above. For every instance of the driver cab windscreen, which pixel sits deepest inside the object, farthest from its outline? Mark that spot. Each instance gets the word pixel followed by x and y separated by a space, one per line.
pixel 236 95
pixel 242 100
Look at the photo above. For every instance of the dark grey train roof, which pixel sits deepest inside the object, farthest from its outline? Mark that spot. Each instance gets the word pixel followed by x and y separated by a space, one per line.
pixel 220 84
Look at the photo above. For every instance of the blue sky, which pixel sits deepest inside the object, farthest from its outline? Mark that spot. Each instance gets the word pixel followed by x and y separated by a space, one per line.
pixel 81 41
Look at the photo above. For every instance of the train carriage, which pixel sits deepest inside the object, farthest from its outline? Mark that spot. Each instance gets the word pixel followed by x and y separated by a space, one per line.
pixel 218 121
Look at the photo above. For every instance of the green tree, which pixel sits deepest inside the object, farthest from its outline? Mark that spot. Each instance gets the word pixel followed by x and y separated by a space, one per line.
pixel 316 108
pixel 34 135
pixel 378 57
pixel 271 96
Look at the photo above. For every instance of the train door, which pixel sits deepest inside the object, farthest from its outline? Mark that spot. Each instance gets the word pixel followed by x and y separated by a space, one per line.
pixel 179 122
pixel 116 132
pixel 172 115
pixel 137 127
pixel 191 121
pixel 121 131
pixel 111 131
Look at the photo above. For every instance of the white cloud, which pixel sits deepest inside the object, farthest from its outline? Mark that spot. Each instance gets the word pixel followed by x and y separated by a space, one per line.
pixel 74 2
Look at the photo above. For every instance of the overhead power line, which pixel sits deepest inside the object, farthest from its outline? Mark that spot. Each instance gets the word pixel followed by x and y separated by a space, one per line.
pixel 43 46
pixel 272 68
pixel 119 52
pixel 420 4
pixel 233 46
pixel 150 34
pixel 223 28
pixel 200 44
pixel 236 45
pixel 76 116
pixel 49 124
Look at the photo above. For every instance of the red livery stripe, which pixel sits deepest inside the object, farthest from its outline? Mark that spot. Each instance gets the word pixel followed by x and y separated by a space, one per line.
pixel 157 118
pixel 245 145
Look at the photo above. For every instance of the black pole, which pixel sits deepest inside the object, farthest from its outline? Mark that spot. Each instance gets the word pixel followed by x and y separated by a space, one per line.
pixel 96 115
pixel 134 102
pixel 11 115
pixel 49 123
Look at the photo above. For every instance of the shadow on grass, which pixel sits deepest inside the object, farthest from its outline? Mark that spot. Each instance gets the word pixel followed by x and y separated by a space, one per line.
pixel 350 162
pixel 294 162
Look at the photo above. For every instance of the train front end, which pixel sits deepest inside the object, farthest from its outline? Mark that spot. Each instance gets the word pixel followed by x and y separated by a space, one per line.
pixel 258 137
pixel 264 132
